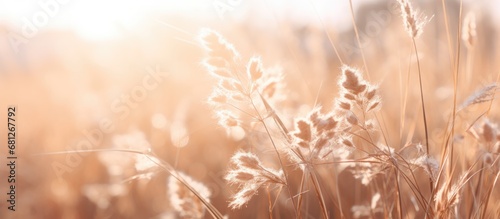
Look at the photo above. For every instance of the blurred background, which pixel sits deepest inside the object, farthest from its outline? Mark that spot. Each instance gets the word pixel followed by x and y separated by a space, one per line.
pixel 128 74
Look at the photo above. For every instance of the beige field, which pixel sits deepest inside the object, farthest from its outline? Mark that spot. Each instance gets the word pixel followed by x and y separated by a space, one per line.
pixel 251 112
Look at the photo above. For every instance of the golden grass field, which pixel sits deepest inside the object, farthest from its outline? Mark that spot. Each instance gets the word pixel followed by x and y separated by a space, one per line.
pixel 251 112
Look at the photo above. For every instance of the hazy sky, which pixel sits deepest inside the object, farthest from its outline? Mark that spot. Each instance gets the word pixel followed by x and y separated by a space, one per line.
pixel 99 18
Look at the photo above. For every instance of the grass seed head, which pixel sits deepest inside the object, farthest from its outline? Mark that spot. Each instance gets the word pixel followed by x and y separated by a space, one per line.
pixel 303 130
pixel 183 200
pixel 412 21
pixel 352 81
pixel 254 69
pixel 469 33
pixel 217 45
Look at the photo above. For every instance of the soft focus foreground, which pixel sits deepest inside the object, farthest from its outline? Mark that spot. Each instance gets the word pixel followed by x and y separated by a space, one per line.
pixel 255 110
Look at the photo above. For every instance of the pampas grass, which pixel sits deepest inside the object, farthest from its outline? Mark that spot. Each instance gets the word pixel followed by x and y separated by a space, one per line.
pixel 318 139
pixel 280 130
pixel 344 137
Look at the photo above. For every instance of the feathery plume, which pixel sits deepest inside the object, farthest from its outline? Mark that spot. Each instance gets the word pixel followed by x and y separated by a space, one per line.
pixel 249 174
pixel 303 130
pixel 183 200
pixel 356 92
pixel 217 45
pixel 448 195
pixel 254 69
pixel 366 172
pixel 352 81
pixel 482 95
pixel 428 164
pixel 412 21
pixel 469 33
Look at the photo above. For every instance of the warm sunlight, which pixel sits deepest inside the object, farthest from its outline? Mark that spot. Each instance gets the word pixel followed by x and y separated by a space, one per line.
pixel 95 19
pixel 163 109
pixel 101 20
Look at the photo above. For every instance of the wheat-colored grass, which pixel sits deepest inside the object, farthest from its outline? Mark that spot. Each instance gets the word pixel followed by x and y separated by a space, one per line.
pixel 298 123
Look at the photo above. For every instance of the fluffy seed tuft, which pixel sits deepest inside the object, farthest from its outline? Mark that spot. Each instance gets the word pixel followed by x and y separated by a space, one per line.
pixel 469 33
pixel 413 24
